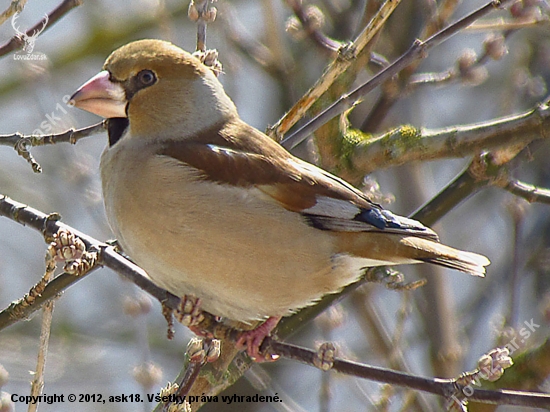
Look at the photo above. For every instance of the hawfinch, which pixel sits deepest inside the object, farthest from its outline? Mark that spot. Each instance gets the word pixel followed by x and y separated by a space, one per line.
pixel 211 207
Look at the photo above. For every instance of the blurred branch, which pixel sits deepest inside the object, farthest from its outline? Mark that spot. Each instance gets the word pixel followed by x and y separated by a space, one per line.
pixel 375 331
pixel 469 66
pixel 251 48
pixel 47 314
pixel 335 69
pixel 515 24
pixel 463 186
pixel 16 6
pixel 408 144
pixel 526 191
pixel 484 170
pixel 310 26
pixel 200 12
pixel 22 143
pixel 391 89
pixel 17 42
pixel 418 50
pixel 273 60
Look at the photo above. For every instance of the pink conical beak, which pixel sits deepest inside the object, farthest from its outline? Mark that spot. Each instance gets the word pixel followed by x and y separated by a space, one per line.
pixel 101 96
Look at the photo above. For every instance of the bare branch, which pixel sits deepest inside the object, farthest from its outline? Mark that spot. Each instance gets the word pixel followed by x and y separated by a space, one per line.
pixel 528 192
pixel 16 6
pixel 469 67
pixel 335 69
pixel 318 37
pixel 17 42
pixel 418 50
pixel 447 388
pixel 202 13
pixel 408 144
pixel 515 24
pixel 276 65
pixel 38 380
pixel 22 143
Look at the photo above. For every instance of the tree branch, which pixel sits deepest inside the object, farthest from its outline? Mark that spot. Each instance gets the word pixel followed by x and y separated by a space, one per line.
pixel 335 69
pixel 319 38
pixel 16 42
pixel 418 50
pixel 110 258
pixel 407 144
pixel 526 191
pixel 443 387
pixel 16 6
pixel 22 143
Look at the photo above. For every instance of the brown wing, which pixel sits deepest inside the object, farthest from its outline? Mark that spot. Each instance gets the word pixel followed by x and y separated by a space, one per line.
pixel 326 201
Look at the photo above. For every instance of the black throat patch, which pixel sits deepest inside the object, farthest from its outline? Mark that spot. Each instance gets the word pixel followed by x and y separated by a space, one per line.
pixel 115 128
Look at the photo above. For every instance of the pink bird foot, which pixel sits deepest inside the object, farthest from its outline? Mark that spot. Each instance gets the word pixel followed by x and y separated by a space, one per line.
pixel 252 340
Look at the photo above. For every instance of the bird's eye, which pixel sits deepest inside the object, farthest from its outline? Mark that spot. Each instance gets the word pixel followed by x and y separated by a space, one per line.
pixel 146 77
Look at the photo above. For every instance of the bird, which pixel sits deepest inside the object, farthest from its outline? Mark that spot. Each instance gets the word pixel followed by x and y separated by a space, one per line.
pixel 213 208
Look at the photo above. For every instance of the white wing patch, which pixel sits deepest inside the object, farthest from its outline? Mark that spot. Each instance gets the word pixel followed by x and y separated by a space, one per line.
pixel 335 208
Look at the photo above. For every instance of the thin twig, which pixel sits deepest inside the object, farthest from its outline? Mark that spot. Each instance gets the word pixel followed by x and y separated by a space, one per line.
pixel 16 312
pixel 23 143
pixel 418 50
pixel 272 58
pixel 69 136
pixel 250 46
pixel 196 354
pixel 392 94
pixel 17 42
pixel 335 69
pixel 16 6
pixel 318 37
pixel 443 387
pixel 503 25
pixel 528 192
pixel 201 13
pixel 38 381
pixel 470 72
pixel 375 331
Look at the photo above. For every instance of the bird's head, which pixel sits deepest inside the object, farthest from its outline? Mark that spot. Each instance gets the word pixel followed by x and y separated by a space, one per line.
pixel 160 88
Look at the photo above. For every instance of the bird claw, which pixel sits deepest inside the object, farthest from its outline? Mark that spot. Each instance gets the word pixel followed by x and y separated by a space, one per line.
pixel 252 340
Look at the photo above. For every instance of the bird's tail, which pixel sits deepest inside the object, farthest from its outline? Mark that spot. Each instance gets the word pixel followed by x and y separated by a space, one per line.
pixel 400 249
pixel 436 253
